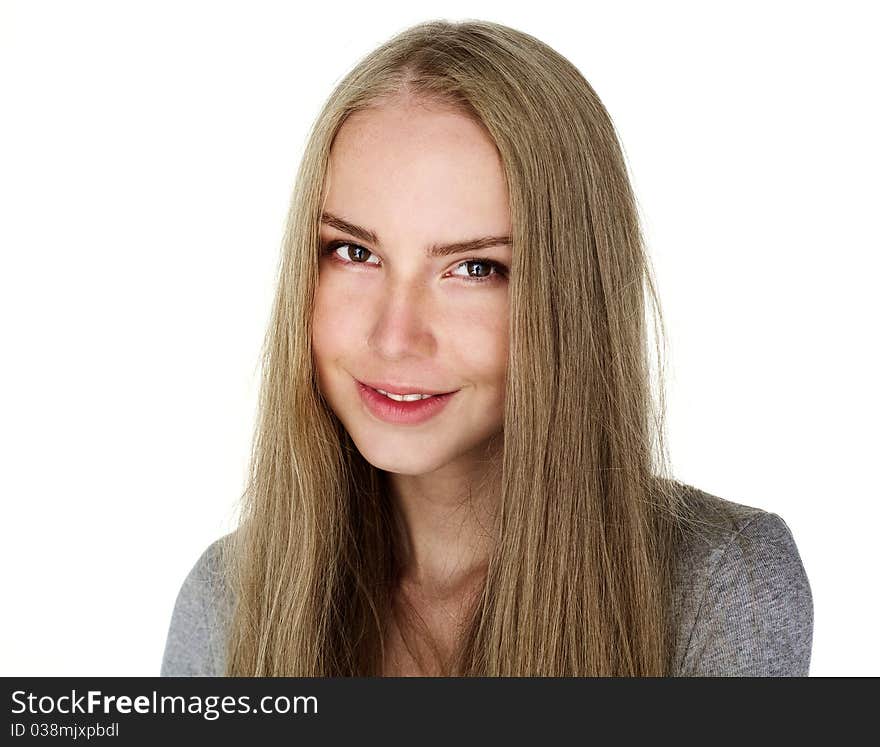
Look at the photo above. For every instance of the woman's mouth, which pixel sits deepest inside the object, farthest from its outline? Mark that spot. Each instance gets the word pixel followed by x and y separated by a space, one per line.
pixel 409 409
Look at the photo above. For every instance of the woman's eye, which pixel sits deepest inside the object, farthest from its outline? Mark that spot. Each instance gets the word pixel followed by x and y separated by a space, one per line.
pixel 355 252
pixel 484 270
pixel 476 270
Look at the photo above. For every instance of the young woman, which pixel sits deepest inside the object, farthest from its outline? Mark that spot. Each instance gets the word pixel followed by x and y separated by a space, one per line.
pixel 462 226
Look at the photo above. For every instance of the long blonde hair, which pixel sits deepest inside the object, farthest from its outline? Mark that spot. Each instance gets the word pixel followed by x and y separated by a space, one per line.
pixel 579 581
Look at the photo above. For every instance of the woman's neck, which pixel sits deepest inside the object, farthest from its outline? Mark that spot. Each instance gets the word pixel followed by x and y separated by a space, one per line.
pixel 448 523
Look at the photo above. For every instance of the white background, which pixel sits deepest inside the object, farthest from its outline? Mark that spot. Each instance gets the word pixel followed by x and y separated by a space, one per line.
pixel 147 151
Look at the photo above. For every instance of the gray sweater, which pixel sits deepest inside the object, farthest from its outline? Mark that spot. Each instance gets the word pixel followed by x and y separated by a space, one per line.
pixel 743 604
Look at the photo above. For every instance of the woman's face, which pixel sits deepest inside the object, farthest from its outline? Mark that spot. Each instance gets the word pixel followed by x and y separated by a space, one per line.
pixel 386 310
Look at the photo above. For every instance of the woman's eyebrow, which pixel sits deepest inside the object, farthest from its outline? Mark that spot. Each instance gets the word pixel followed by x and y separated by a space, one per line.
pixel 438 250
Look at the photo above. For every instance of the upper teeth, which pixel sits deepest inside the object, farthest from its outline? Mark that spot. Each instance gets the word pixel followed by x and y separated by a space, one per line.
pixel 405 397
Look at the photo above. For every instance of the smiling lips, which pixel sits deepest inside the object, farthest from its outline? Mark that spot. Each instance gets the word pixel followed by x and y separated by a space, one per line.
pixel 406 411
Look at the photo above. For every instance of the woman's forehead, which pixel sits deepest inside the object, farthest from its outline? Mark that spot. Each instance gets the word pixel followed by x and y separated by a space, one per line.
pixel 440 171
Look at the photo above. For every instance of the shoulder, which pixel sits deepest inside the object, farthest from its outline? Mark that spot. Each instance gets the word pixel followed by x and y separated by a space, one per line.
pixel 743 602
pixel 195 642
